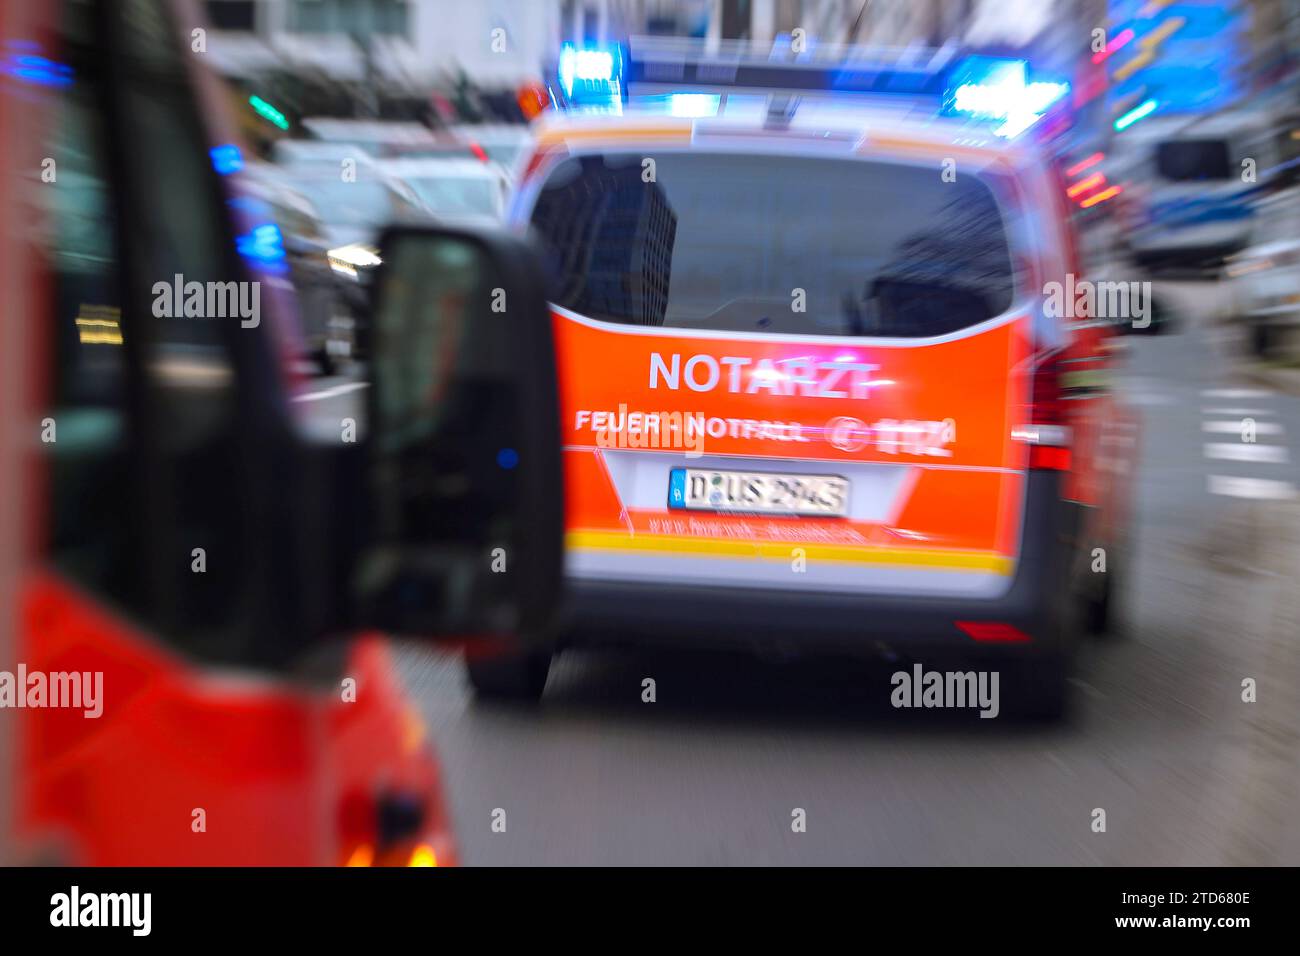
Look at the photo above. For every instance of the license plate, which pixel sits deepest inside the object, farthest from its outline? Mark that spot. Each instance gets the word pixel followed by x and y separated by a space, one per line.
pixel 754 492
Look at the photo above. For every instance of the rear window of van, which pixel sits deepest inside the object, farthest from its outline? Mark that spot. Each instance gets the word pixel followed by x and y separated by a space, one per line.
pixel 758 243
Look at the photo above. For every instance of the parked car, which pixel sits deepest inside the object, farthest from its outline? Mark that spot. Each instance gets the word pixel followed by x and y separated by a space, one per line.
pixel 325 317
pixel 1186 203
pixel 1264 277
pixel 353 211
pixel 454 189
pixel 306 155
pixel 504 143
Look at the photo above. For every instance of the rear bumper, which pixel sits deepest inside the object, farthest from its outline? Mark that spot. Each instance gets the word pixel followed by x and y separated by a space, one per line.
pixel 647 613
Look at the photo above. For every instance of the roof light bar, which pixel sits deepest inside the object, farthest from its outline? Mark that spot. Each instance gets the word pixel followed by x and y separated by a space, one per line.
pixel 588 65
pixel 693 77
pixel 693 104
pixel 590 75
pixel 660 65
pixel 989 88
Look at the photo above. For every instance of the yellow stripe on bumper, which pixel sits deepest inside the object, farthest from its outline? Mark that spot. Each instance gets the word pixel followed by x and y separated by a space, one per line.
pixel 987 561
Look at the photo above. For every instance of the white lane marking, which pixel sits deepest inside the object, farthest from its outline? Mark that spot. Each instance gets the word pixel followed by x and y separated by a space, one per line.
pixel 332 392
pixel 1246 451
pixel 1234 393
pixel 1244 412
pixel 1264 488
pixel 1236 428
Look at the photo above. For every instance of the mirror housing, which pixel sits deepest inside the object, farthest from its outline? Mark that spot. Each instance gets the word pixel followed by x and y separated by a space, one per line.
pixel 463 482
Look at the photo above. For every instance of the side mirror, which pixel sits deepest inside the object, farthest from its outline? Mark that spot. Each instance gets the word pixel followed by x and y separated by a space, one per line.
pixel 462 473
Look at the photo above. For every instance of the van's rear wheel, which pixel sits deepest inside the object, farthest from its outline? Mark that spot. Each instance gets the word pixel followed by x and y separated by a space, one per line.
pixel 517 677
pixel 1098 609
pixel 1103 610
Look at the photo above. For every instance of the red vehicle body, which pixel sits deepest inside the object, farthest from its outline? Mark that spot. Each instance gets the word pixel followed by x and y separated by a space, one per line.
pixel 199 757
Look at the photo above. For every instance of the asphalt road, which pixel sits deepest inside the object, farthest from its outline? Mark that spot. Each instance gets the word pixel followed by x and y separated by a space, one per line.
pixel 1160 738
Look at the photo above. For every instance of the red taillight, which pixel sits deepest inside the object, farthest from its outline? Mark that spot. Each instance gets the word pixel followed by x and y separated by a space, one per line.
pixel 1046 402
pixel 1051 459
pixel 479 152
pixel 1045 423
pixel 1046 427
pixel 356 827
pixel 993 632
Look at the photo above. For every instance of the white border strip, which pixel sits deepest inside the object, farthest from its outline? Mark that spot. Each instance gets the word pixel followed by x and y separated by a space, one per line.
pixel 808 340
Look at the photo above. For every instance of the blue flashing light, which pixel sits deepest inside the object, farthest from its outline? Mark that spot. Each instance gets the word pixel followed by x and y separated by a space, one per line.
pixel 991 88
pixel 1135 114
pixel 590 66
pixel 226 158
pixel 264 247
pixel 34 69
pixel 591 74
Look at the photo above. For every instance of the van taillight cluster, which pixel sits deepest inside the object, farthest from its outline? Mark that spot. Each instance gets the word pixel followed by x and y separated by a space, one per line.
pixel 1046 430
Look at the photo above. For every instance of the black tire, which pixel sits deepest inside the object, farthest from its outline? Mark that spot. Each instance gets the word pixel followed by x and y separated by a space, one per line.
pixel 1102 613
pixel 510 677
pixel 1097 615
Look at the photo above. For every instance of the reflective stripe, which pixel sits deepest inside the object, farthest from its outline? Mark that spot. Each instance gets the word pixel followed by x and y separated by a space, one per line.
pixel 722 547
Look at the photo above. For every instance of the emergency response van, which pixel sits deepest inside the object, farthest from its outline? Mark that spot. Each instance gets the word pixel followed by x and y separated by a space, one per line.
pixel 813 389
